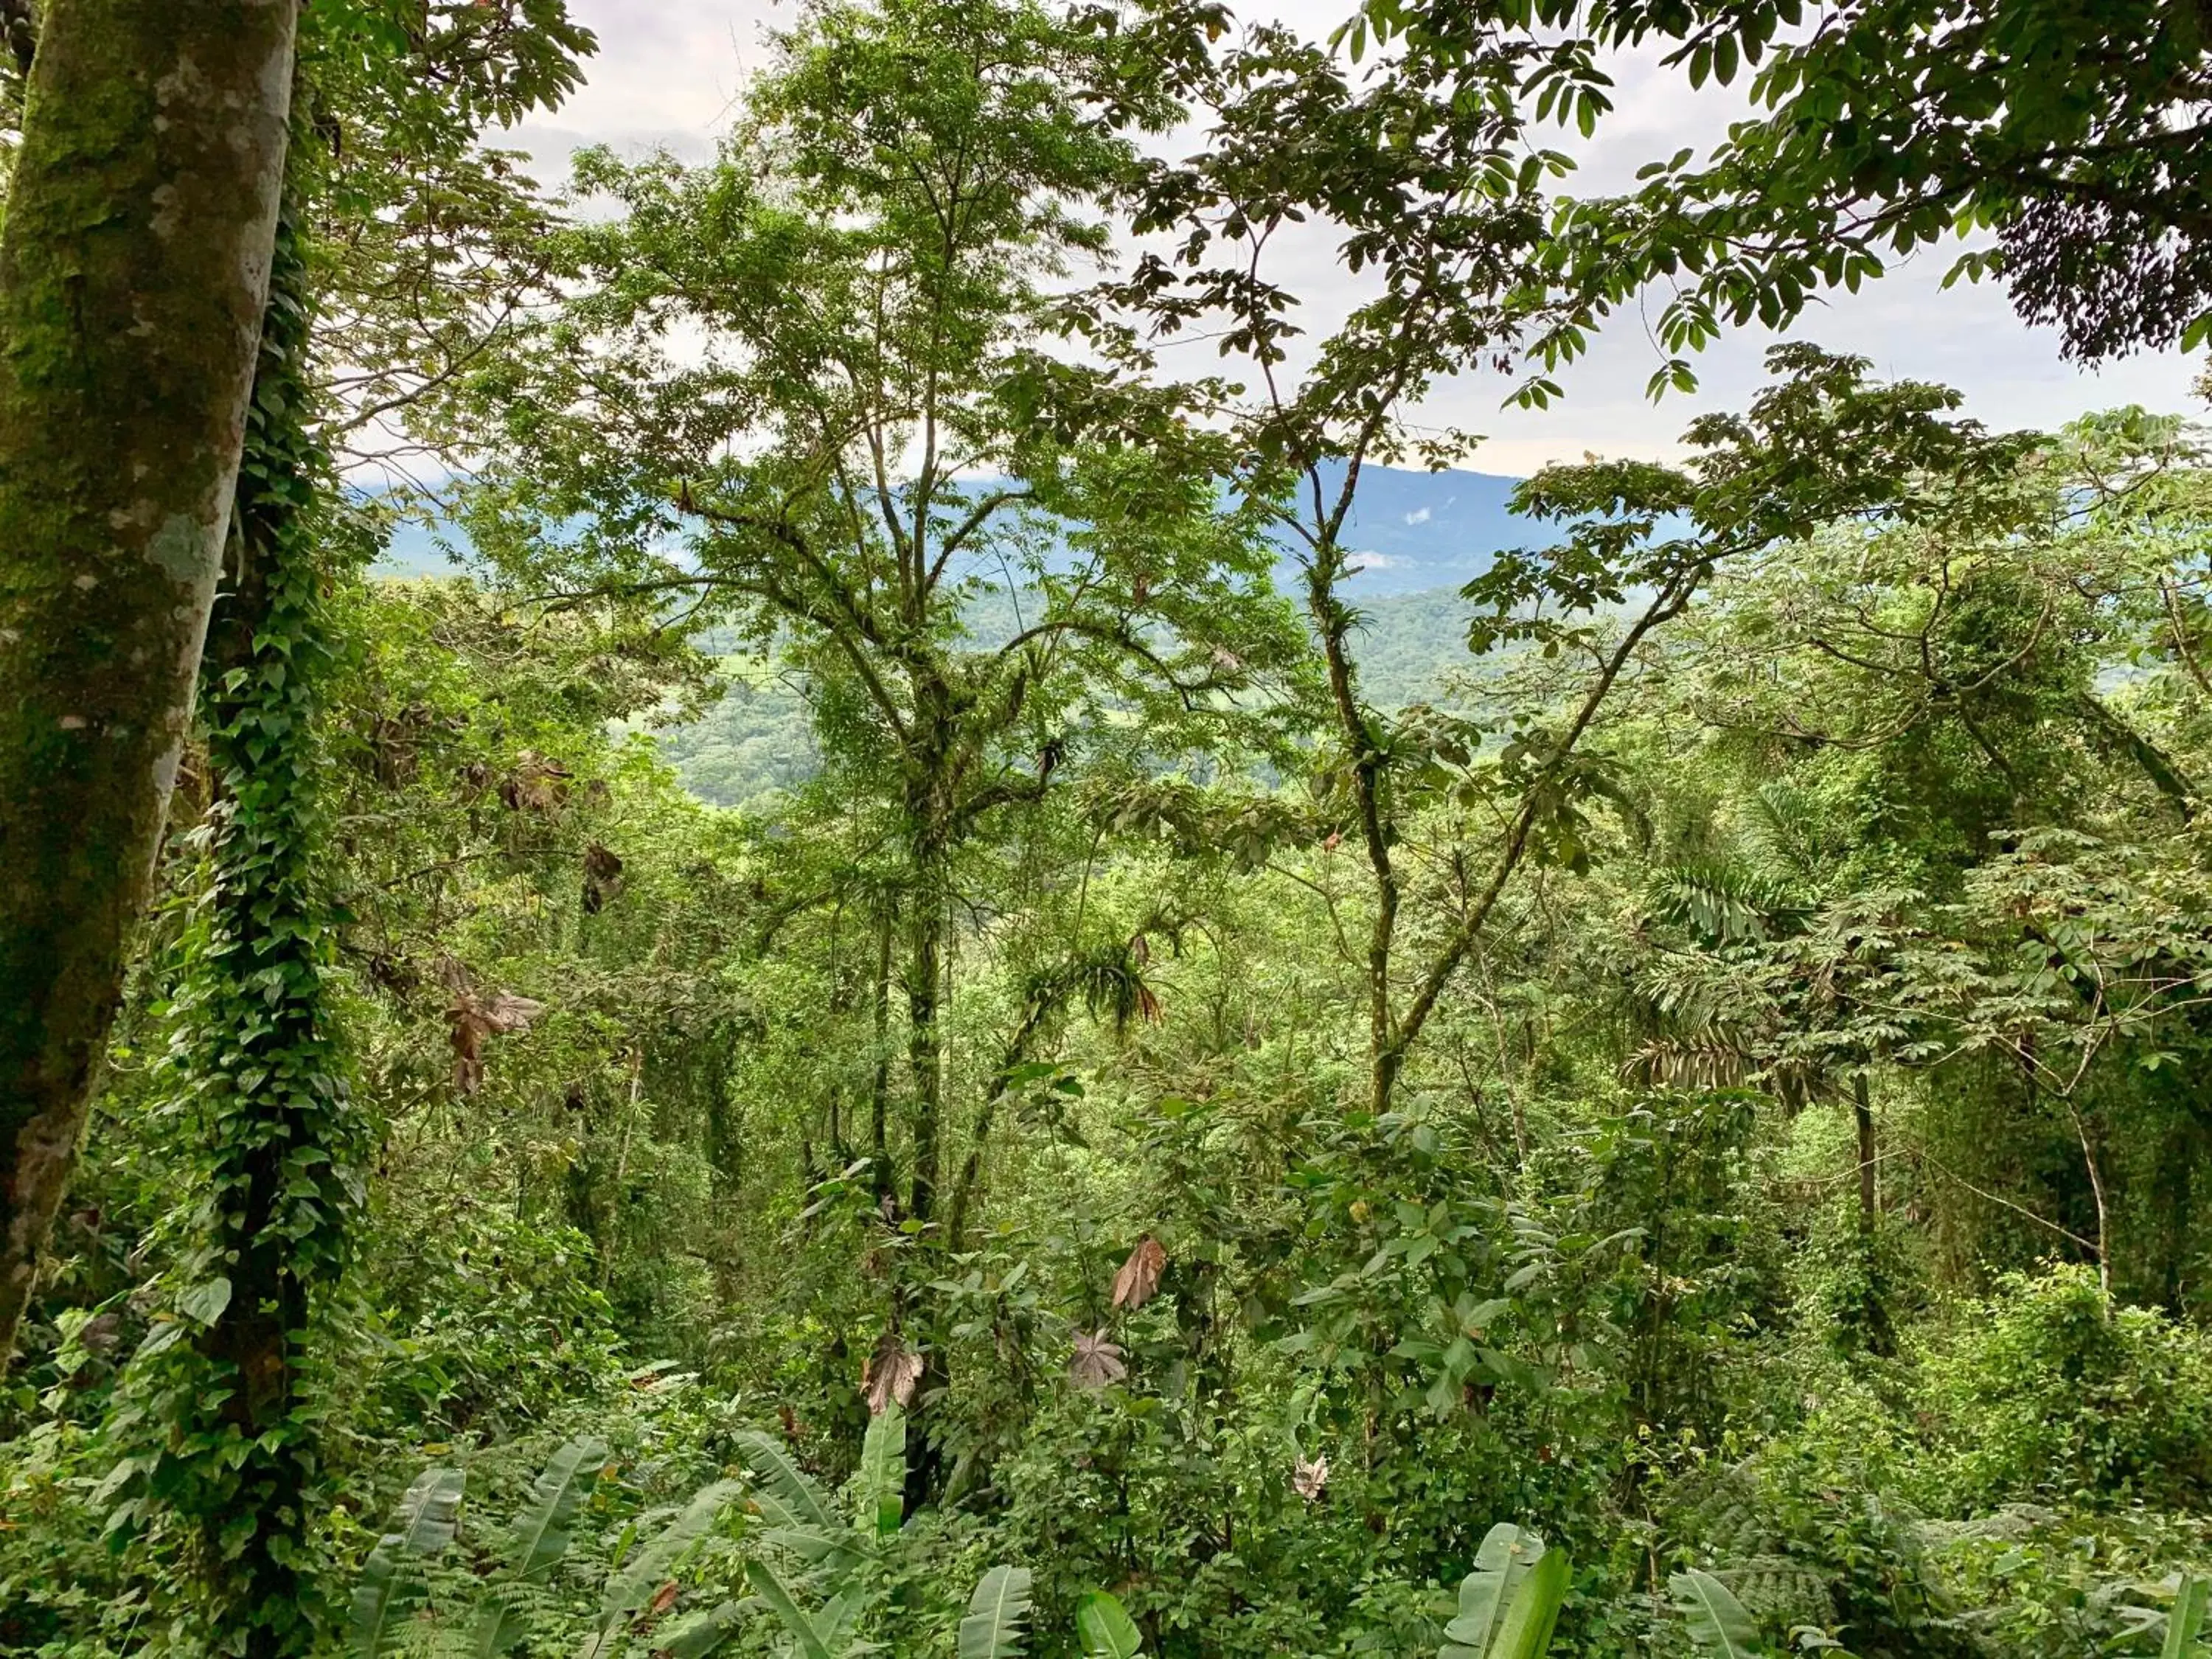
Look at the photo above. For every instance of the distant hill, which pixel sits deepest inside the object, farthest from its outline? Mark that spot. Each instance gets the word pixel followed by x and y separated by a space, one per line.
pixel 1426 530
pixel 1415 532
pixel 1421 536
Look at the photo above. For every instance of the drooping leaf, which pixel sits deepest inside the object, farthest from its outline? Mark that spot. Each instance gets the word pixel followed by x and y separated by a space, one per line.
pixel 1096 1362
pixel 882 1481
pixel 1105 1628
pixel 502 1619
pixel 1716 1620
pixel 1500 1564
pixel 839 1617
pixel 699 1635
pixel 998 1615
pixel 427 1514
pixel 773 1467
pixel 1139 1277
pixel 889 1376
pixel 811 1544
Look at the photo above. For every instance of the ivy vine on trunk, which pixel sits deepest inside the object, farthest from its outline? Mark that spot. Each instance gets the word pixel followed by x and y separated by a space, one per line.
pixel 265 1237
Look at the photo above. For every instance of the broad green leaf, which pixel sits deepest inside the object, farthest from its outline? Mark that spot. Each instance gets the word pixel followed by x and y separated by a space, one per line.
pixel 502 1619
pixel 997 1615
pixel 542 1532
pixel 1527 1632
pixel 882 1478
pixel 1716 1620
pixel 424 1522
pixel 811 1545
pixel 772 1467
pixel 2190 1603
pixel 701 1634
pixel 810 1644
pixel 1500 1564
pixel 633 1587
pixel 839 1616
pixel 1105 1628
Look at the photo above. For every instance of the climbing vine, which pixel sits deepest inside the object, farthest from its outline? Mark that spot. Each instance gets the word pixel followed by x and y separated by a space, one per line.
pixel 220 1413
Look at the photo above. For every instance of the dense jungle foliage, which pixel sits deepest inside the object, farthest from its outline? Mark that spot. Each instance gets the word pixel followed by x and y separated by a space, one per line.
pixel 898 1026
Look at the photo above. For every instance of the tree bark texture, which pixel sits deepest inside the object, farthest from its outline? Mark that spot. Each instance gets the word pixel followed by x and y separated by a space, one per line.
pixel 134 267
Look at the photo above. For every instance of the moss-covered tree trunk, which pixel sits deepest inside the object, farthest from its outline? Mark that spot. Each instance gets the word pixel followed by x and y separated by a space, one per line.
pixel 133 270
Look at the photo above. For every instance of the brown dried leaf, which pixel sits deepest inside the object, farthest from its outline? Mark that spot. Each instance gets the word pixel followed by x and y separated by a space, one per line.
pixel 1139 1277
pixel 1310 1480
pixel 603 877
pixel 508 1014
pixel 536 785
pixel 890 1374
pixel 473 1017
pixel 1096 1362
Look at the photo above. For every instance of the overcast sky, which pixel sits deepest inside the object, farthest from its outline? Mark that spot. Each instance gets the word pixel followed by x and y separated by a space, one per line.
pixel 668 72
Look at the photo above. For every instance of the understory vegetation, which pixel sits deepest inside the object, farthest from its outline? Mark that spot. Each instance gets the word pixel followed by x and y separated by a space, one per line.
pixel 899 1028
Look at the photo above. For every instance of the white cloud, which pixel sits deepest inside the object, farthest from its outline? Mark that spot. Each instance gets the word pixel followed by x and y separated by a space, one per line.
pixel 1421 517
pixel 669 71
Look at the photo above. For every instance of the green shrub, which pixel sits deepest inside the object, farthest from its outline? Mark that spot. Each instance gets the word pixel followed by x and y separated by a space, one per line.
pixel 2049 1392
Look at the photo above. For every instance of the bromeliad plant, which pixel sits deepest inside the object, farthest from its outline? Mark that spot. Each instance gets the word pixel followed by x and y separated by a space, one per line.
pixel 819 1571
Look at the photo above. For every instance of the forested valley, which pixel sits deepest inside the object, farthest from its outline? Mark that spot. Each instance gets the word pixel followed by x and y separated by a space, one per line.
pixel 907 1015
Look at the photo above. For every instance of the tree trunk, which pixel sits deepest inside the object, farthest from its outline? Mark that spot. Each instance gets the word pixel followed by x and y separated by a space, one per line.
pixel 879 1085
pixel 925 974
pixel 1862 1115
pixel 133 271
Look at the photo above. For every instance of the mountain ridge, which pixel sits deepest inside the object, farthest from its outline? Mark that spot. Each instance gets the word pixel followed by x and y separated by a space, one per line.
pixel 1413 532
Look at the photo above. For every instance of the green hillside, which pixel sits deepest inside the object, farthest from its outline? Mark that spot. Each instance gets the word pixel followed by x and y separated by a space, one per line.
pixel 758 739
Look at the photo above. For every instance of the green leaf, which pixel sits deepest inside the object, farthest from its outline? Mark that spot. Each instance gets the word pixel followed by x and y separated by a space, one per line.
pixel 424 1522
pixel 633 1587
pixel 2190 1603
pixel 539 1537
pixel 997 1613
pixel 1718 1621
pixel 1500 1564
pixel 810 1644
pixel 204 1301
pixel 701 1634
pixel 806 1504
pixel 811 1544
pixel 542 1532
pixel 502 1619
pixel 1527 1632
pixel 882 1478
pixel 1105 1628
